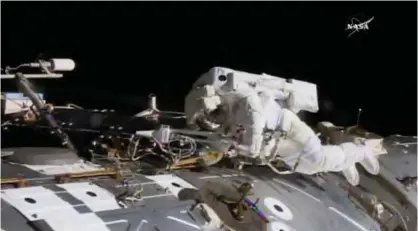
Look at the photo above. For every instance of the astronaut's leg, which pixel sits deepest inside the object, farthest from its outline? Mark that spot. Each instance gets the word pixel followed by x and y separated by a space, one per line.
pixel 343 158
pixel 315 157
pixel 339 157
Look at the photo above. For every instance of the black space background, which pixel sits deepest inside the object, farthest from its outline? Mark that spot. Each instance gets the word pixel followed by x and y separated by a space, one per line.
pixel 125 50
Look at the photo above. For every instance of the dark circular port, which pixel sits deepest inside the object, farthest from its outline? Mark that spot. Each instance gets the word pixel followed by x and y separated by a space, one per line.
pixel 92 194
pixel 222 78
pixel 278 208
pixel 176 185
pixel 30 200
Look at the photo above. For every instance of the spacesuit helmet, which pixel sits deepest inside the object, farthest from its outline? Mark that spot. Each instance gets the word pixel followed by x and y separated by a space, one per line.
pixel 218 115
pixel 200 101
pixel 210 119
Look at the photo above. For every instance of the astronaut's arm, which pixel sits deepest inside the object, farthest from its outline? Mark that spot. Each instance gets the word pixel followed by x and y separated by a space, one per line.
pixel 252 118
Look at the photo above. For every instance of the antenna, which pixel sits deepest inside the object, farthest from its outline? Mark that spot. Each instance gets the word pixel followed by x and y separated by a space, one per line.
pixel 25 86
pixel 152 102
pixel 152 107
pixel 48 69
pixel 358 116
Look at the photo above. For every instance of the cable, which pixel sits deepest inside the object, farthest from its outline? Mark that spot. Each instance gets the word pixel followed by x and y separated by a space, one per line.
pixel 136 158
pixel 397 213
pixel 135 152
pixel 15 68
pixel 187 153
pixel 74 106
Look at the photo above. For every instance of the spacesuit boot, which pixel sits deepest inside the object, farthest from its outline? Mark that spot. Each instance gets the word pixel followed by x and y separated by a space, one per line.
pixel 363 155
pixel 352 175
pixel 371 164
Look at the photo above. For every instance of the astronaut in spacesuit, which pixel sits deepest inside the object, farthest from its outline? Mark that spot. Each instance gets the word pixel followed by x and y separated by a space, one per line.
pixel 258 111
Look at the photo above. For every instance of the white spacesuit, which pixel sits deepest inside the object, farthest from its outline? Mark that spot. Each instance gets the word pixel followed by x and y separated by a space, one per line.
pixel 315 157
pixel 258 111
